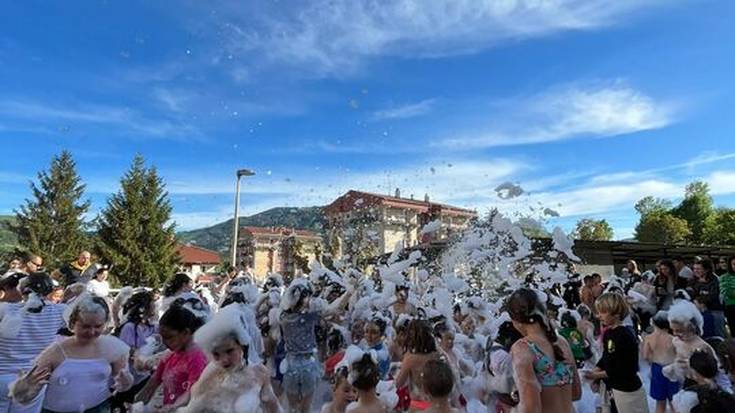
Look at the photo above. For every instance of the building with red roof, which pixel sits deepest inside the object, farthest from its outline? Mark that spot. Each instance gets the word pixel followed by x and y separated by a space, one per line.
pixel 197 260
pixel 372 224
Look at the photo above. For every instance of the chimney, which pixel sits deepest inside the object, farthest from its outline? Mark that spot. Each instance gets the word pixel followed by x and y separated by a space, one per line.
pixel 426 197
pixel 398 193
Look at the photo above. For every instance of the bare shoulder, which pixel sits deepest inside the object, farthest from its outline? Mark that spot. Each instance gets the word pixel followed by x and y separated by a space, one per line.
pixel 261 372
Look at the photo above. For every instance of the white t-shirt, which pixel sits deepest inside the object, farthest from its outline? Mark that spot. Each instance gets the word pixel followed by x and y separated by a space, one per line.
pixel 98 288
pixel 686 272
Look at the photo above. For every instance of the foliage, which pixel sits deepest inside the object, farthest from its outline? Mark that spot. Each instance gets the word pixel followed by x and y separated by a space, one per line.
pixel 593 230
pixel 649 204
pixel 662 227
pixel 697 209
pixel 134 230
pixel 721 231
pixel 52 223
pixel 533 228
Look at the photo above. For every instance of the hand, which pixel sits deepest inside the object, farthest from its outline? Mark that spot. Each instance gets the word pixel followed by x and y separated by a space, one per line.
pixel 37 377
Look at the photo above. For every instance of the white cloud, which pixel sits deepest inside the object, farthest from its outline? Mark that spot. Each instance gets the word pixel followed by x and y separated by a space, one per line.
pixel 597 111
pixel 336 36
pixel 721 182
pixel 410 110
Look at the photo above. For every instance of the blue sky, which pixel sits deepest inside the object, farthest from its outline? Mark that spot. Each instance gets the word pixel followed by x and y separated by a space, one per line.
pixel 589 105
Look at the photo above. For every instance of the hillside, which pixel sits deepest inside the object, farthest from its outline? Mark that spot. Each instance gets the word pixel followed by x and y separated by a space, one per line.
pixel 217 237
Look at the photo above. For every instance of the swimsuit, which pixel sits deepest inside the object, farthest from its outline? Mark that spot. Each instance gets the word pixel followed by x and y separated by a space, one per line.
pixel 549 372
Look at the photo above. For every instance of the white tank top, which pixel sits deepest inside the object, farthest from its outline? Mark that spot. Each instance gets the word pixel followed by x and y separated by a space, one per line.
pixel 78 384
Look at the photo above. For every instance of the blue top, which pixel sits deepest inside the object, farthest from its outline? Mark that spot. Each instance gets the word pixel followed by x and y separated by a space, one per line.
pixel 383 359
pixel 298 332
pixel 549 372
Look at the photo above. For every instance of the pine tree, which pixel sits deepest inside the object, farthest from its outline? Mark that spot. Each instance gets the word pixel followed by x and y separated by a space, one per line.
pixel 134 230
pixel 52 223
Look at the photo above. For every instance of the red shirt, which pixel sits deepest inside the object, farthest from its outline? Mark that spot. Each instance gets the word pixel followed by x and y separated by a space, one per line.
pixel 179 371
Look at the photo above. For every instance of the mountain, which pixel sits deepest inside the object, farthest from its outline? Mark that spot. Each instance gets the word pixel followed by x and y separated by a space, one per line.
pixel 218 237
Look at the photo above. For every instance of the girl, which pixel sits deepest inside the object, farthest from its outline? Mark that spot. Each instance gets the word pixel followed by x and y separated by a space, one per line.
pixel 364 376
pixel 374 336
pixel 138 312
pixel 26 328
pixel 78 370
pixel 686 325
pixel 459 366
pixel 665 284
pixel 438 385
pixel 658 349
pixel 236 381
pixel 574 337
pixel 99 285
pixel 544 368
pixel 179 284
pixel 336 345
pixel 298 319
pixel 420 347
pixel 182 367
pixel 619 363
pixel 499 366
pixel 342 393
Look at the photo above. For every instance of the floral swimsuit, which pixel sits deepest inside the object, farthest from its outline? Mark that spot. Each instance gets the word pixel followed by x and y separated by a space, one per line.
pixel 549 372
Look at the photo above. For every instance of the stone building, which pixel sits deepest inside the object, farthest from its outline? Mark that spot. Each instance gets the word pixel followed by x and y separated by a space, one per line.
pixel 361 225
pixel 286 251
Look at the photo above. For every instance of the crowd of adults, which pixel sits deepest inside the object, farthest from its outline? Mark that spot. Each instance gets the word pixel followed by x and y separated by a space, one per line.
pixel 342 342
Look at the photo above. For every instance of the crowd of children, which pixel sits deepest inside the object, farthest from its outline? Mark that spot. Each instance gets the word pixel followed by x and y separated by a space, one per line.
pixel 344 342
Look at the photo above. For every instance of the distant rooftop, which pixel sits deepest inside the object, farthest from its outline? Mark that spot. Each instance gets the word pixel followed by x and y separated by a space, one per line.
pixel 191 254
pixel 358 199
pixel 279 231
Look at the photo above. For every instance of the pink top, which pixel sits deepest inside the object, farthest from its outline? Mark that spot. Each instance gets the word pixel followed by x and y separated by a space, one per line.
pixel 179 371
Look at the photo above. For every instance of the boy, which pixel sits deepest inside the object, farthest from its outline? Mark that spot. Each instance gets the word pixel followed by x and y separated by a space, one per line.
pixel 619 363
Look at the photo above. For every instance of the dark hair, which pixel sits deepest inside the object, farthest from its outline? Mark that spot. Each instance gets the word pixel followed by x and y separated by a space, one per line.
pixel 670 265
pixel 175 283
pixel 704 363
pixel 586 278
pixel 11 281
pixel 525 307
pixel 335 340
pixel 39 283
pixel 507 335
pixel 135 309
pixel 438 378
pixel 708 268
pixel 74 316
pixel 440 329
pixel 179 318
pixel 726 354
pixel 584 310
pixel 661 321
pixel 730 259
pixel 382 325
pixel 339 375
pixel 367 374
pixel 419 337
pixel 100 271
pixel 301 291
pixel 568 320
pixel 232 298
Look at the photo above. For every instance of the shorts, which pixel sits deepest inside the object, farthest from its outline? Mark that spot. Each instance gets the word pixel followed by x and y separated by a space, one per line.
pixel 661 387
pixel 301 375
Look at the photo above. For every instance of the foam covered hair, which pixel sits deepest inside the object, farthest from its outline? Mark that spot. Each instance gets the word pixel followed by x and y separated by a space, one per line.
pixel 230 321
pixel 353 354
pixel 686 312
pixel 83 304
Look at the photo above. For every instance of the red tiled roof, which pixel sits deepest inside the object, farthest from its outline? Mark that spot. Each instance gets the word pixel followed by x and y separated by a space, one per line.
pixel 191 254
pixel 280 231
pixel 358 199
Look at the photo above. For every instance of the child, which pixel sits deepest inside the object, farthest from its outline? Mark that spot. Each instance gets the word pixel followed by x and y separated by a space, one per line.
pixel 138 311
pixel 574 336
pixel 342 393
pixel 586 326
pixel 183 366
pixel 704 395
pixel 374 336
pixel 658 349
pixel 619 363
pixel 336 344
pixel 364 376
pixel 686 325
pixel 438 385
pixel 499 366
pixel 236 380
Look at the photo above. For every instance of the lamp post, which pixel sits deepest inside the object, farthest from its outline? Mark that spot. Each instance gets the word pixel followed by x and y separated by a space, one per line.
pixel 240 173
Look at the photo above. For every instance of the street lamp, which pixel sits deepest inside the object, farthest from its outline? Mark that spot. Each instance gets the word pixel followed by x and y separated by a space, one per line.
pixel 240 173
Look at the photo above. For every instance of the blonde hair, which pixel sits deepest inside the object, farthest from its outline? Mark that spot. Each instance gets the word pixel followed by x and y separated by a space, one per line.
pixel 613 304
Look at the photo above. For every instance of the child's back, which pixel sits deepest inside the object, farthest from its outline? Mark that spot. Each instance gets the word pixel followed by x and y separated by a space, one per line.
pixel 658 347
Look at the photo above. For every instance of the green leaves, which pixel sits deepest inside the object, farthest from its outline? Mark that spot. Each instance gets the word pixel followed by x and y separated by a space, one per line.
pixel 593 230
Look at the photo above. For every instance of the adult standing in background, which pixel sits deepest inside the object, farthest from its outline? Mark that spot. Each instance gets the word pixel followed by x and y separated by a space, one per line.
pixel 80 270
pixel 33 263
pixel 684 273
pixel 665 283
pixel 727 292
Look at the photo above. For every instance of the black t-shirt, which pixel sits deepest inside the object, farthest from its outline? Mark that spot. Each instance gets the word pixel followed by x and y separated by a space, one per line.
pixel 620 359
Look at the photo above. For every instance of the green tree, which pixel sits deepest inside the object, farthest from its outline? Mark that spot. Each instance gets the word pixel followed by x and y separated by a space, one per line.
pixel 697 209
pixel 135 234
pixel 533 228
pixel 649 204
pixel 52 223
pixel 593 230
pixel 661 227
pixel 721 231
